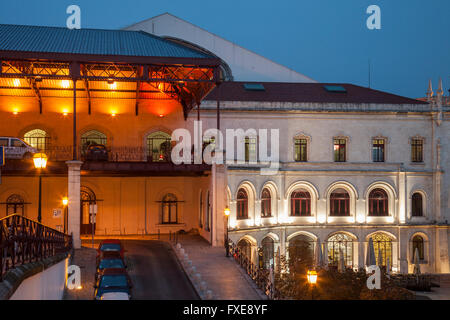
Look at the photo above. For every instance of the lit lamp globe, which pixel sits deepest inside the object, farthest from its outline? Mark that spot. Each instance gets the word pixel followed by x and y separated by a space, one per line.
pixel 226 211
pixel 40 160
pixel 312 277
pixel 65 201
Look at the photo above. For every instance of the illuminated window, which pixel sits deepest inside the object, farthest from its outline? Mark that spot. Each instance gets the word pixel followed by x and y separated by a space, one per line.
pixel 300 203
pixel 38 139
pixel 416 150
pixel 267 252
pixel 300 150
pixel 340 146
pixel 242 204
pixel 92 137
pixel 339 203
pixel 378 148
pixel 169 209
pixel 383 243
pixel 417 205
pixel 266 203
pixel 378 203
pixel 337 244
pixel 159 147
pixel 418 243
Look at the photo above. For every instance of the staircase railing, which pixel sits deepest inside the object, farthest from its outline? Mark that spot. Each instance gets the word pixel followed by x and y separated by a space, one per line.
pixel 23 240
pixel 260 276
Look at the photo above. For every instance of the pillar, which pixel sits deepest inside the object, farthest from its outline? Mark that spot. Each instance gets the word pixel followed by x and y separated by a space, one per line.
pixel 219 185
pixel 442 258
pixel 74 201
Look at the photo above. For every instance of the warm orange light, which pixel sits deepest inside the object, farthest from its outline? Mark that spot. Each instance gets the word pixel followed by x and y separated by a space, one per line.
pixel 65 84
pixel 161 115
pixel 312 276
pixel 112 84
pixel 113 114
pixel 16 82
pixel 65 201
pixel 65 112
pixel 40 160
pixel 226 211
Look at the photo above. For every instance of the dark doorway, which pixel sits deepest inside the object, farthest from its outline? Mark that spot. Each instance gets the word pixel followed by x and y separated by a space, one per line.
pixel 87 198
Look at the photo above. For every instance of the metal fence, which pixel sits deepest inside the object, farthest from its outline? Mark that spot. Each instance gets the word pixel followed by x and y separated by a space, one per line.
pixel 260 276
pixel 23 241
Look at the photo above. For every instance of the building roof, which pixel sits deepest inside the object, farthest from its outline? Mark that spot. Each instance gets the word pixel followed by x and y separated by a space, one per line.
pixel 305 93
pixel 90 42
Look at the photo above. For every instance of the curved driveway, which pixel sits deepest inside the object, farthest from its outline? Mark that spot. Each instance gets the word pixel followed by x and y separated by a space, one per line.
pixel 155 272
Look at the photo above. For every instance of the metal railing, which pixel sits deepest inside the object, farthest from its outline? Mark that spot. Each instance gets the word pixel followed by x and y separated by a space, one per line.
pixel 260 276
pixel 23 241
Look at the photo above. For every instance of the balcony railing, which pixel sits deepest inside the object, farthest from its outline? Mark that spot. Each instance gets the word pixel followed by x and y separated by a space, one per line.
pixel 23 241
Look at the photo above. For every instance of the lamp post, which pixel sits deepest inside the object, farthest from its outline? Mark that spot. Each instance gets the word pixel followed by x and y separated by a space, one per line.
pixel 40 162
pixel 226 212
pixel 65 202
pixel 312 280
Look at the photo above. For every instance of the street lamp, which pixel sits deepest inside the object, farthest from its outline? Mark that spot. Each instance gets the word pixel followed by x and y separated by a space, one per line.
pixel 312 280
pixel 226 212
pixel 40 162
pixel 65 202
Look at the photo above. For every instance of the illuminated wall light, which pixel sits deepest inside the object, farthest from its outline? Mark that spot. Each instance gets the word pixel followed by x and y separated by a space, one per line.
pixel 161 115
pixel 16 82
pixel 112 85
pixel 65 112
pixel 321 218
pixel 15 111
pixel 65 84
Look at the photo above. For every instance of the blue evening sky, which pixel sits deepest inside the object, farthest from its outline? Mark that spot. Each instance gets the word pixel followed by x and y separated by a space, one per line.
pixel 326 40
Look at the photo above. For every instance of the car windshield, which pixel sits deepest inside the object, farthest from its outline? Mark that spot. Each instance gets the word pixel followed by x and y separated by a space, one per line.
pixel 110 247
pixel 111 263
pixel 113 281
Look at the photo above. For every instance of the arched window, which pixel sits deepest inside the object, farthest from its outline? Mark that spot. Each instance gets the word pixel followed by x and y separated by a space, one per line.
pixel 337 244
pixel 242 204
pixel 300 203
pixel 378 203
pixel 417 205
pixel 301 251
pixel 38 139
pixel 418 243
pixel 266 203
pixel 169 209
pixel 245 248
pixel 267 252
pixel 92 137
pixel 383 243
pixel 339 203
pixel 15 205
pixel 159 147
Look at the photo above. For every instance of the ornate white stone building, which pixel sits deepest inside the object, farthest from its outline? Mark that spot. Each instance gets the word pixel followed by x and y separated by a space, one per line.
pixel 355 163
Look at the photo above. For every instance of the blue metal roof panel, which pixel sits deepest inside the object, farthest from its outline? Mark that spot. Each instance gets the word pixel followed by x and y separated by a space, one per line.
pixel 90 41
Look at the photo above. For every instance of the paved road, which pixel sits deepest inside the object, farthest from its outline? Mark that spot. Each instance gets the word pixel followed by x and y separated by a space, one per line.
pixel 155 272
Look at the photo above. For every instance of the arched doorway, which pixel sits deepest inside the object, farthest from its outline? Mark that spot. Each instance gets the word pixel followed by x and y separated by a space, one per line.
pixel 301 252
pixel 87 197
pixel 245 248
